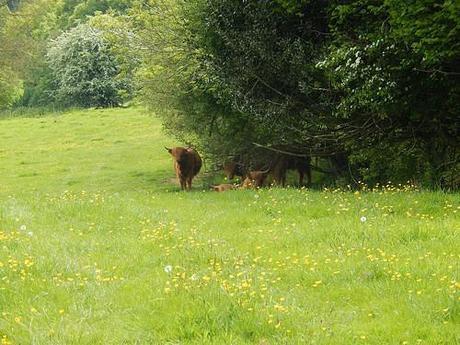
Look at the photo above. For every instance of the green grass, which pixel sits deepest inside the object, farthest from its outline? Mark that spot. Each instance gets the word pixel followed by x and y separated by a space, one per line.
pixel 91 223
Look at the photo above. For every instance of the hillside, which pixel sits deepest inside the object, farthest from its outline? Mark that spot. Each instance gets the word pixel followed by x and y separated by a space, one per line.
pixel 99 246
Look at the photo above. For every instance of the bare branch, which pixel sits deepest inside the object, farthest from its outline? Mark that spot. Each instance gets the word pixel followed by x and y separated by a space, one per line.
pixel 434 71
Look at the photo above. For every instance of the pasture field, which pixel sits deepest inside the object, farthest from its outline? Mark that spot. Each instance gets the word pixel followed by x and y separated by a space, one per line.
pixel 99 246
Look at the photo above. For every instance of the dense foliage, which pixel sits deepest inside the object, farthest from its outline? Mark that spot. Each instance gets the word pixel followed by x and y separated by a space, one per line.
pixel 372 84
pixel 395 66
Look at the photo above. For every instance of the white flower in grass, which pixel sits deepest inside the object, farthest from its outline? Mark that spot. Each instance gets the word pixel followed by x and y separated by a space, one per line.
pixel 363 219
pixel 194 277
pixel 168 269
pixel 23 227
pixel 30 233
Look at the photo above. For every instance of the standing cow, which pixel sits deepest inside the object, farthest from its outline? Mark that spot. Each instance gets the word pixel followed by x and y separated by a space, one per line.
pixel 285 163
pixel 234 168
pixel 187 164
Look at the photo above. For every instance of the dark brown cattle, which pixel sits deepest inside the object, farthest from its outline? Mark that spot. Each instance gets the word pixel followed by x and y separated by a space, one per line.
pixel 187 164
pixel 285 163
pixel 233 168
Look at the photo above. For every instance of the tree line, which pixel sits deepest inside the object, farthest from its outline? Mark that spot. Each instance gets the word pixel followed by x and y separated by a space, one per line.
pixel 371 88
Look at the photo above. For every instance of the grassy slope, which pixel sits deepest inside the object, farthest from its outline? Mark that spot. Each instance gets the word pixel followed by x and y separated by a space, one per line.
pixel 103 220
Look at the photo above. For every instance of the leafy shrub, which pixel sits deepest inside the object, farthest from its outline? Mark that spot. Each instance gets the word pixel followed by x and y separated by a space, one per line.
pixel 10 88
pixel 85 70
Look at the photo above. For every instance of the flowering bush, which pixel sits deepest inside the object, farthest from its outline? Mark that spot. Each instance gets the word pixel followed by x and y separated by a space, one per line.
pixel 86 71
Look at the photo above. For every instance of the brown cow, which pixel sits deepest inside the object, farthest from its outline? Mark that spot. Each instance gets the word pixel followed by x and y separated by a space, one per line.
pixel 187 164
pixel 285 163
pixel 255 179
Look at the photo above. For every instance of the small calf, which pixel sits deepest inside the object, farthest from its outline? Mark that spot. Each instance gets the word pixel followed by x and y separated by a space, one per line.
pixel 223 187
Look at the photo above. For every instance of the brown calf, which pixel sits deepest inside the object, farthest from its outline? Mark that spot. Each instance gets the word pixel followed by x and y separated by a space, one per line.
pixel 223 187
pixel 187 164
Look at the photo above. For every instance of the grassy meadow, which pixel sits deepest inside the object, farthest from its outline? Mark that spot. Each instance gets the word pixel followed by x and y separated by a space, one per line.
pixel 99 246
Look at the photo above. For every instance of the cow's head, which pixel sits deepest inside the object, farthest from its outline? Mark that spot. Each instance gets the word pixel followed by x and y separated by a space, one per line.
pixel 229 170
pixel 178 153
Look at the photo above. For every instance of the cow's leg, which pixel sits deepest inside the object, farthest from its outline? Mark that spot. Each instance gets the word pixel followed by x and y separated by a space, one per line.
pixel 178 175
pixel 189 183
pixel 183 184
pixel 301 175
pixel 309 176
pixel 281 178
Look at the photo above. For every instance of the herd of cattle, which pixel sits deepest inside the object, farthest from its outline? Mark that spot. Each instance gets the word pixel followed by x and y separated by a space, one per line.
pixel 187 164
